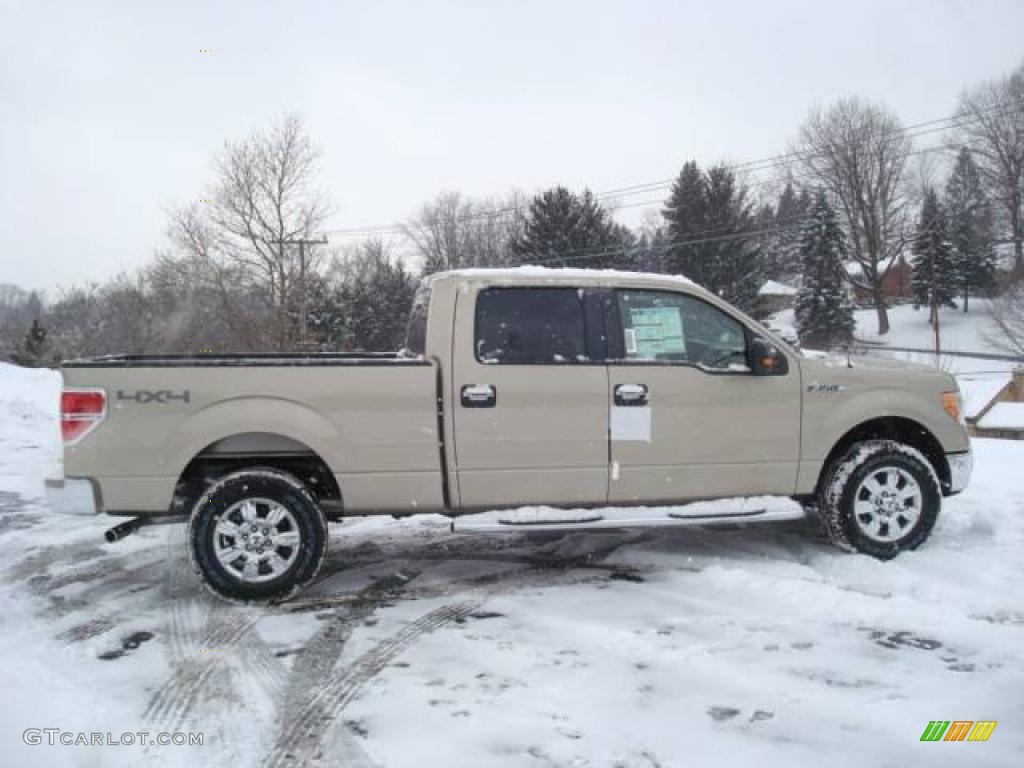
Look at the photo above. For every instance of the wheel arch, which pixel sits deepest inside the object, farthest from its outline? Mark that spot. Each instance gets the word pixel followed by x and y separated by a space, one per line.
pixel 899 429
pixel 246 450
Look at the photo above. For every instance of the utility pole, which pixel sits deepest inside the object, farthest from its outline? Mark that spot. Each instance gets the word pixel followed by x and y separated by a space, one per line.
pixel 302 243
pixel 933 310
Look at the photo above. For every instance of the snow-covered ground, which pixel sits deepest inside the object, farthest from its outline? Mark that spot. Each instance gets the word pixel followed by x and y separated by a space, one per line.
pixel 420 647
pixel 960 331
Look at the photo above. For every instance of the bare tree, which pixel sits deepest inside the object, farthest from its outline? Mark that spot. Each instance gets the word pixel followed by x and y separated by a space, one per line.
pixel 15 317
pixel 263 197
pixel 454 232
pixel 1007 332
pixel 992 115
pixel 206 305
pixel 858 151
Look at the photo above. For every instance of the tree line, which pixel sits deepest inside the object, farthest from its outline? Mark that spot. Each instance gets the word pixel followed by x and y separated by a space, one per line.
pixel 246 272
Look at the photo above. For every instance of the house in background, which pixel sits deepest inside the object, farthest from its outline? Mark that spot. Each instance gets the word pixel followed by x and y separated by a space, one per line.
pixel 896 282
pixel 994 405
pixel 774 297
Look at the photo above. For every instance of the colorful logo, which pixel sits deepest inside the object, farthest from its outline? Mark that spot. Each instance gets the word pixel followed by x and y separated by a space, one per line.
pixel 958 730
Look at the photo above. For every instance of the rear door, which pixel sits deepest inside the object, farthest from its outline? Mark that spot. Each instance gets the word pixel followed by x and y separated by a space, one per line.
pixel 530 397
pixel 688 418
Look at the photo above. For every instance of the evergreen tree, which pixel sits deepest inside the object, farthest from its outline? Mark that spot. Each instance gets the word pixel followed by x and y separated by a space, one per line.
pixel 32 353
pixel 650 250
pixel 709 217
pixel 563 229
pixel 971 230
pixel 824 311
pixel 685 215
pixel 790 213
pixel 733 260
pixel 764 221
pixel 365 304
pixel 935 271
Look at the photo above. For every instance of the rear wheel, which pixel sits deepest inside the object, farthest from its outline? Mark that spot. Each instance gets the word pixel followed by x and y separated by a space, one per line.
pixel 880 498
pixel 257 535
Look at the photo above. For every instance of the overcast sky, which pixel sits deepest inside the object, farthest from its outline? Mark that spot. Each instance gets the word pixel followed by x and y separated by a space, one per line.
pixel 110 113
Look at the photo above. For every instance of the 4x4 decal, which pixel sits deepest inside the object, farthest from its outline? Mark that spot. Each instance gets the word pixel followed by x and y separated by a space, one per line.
pixel 162 396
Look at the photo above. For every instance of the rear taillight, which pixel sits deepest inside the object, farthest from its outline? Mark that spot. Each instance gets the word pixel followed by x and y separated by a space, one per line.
pixel 81 411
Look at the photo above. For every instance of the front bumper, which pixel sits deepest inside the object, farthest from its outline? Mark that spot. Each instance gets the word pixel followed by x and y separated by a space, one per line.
pixel 960 467
pixel 74 495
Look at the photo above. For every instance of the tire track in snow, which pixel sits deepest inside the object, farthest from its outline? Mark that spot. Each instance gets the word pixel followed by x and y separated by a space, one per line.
pixel 321 653
pixel 169 706
pixel 228 627
pixel 304 727
pixel 301 738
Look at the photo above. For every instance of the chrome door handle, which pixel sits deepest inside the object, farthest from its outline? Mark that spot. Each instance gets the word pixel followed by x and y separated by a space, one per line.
pixel 631 394
pixel 479 396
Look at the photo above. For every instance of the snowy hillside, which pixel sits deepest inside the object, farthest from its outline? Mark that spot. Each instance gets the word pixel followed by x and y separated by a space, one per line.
pixel 419 647
pixel 960 331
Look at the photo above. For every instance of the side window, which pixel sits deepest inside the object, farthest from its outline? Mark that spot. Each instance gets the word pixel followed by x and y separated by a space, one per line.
pixel 529 326
pixel 416 333
pixel 673 327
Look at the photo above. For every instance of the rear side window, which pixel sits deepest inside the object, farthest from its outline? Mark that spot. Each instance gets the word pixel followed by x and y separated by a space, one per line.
pixel 416 335
pixel 529 326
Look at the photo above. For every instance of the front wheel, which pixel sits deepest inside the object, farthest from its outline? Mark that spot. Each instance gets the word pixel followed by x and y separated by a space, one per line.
pixel 881 498
pixel 257 535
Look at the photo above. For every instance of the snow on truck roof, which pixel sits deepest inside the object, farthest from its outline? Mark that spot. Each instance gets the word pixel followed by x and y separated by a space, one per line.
pixel 560 273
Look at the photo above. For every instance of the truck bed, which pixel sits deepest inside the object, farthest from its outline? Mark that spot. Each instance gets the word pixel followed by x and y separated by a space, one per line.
pixel 364 423
pixel 245 359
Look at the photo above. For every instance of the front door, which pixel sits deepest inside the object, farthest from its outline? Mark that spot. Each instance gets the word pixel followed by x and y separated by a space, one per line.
pixel 529 397
pixel 688 418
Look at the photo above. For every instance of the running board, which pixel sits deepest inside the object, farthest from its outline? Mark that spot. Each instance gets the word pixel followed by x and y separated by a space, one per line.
pixel 760 509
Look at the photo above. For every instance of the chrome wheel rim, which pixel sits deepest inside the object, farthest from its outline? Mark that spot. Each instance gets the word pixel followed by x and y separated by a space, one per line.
pixel 887 504
pixel 256 540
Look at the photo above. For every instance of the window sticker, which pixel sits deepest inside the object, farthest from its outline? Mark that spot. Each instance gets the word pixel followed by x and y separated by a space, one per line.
pixel 656 331
pixel 630 341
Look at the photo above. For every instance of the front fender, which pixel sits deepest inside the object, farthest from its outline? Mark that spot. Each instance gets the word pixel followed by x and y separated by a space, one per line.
pixel 828 417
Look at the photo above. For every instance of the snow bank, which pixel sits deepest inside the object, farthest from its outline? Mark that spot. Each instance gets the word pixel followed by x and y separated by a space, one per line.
pixel 978 391
pixel 774 288
pixel 29 394
pixel 1004 416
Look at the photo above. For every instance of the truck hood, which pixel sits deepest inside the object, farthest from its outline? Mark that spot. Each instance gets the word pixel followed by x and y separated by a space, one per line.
pixel 874 370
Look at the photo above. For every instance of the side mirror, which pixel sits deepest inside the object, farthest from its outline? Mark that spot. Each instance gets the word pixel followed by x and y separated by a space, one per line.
pixel 766 359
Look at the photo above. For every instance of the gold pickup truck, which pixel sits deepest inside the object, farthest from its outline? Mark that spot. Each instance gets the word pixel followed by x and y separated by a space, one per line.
pixel 594 399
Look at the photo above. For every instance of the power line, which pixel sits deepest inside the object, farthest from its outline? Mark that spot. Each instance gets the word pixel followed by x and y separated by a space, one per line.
pixel 596 252
pixel 758 165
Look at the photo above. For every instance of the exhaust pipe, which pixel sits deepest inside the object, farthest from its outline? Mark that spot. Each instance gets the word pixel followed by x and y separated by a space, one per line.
pixel 121 530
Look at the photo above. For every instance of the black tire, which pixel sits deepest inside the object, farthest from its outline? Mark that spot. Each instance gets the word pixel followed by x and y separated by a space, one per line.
pixel 225 496
pixel 843 485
